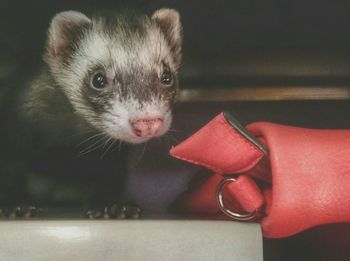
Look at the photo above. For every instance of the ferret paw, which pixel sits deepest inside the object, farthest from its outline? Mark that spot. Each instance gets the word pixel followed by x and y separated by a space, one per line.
pixel 127 211
pixel 20 212
pixel 94 214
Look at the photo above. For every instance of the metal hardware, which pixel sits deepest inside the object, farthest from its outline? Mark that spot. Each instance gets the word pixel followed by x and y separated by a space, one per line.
pixel 226 211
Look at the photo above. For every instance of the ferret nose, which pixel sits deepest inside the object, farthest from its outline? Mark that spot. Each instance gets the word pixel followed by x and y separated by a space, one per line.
pixel 146 127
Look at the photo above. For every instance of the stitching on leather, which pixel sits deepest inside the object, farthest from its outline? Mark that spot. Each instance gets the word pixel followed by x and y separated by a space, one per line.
pixel 215 169
pixel 233 136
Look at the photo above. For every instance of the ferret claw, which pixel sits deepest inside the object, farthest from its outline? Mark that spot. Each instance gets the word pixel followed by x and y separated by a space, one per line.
pixel 20 212
pixel 116 212
pixel 128 211
pixel 94 214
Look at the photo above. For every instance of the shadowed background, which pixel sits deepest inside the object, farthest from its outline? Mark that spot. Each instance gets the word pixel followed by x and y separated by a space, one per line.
pixel 226 42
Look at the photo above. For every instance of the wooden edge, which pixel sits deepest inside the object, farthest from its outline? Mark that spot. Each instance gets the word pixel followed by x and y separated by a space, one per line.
pixel 264 94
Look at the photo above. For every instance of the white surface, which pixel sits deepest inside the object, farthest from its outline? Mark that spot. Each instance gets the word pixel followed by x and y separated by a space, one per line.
pixel 129 240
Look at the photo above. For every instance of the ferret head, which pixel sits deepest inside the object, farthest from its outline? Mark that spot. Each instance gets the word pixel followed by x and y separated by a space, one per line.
pixel 120 74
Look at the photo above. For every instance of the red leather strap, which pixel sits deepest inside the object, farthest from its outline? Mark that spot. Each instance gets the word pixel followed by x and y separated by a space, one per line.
pixel 223 148
pixel 219 147
pixel 309 181
pixel 310 177
pixel 245 191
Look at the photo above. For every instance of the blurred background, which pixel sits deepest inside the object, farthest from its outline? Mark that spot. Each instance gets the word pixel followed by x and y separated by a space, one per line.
pixel 229 43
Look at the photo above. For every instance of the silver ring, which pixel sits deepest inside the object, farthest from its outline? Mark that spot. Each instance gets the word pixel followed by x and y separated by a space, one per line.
pixel 226 211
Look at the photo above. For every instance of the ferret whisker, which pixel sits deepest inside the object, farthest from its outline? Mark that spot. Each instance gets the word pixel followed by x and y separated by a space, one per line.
pixel 90 138
pixel 83 133
pixel 94 146
pixel 90 150
pixel 116 142
pixel 120 145
pixel 106 142
pixel 109 147
pixel 142 153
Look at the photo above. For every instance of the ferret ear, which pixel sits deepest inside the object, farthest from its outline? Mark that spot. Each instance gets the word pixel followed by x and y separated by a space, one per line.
pixel 64 30
pixel 169 22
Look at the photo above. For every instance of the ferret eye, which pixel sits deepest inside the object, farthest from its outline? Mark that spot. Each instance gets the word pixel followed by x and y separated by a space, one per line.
pixel 167 77
pixel 99 81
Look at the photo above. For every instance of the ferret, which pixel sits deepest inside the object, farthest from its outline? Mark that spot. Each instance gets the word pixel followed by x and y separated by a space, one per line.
pixel 119 75
pixel 115 77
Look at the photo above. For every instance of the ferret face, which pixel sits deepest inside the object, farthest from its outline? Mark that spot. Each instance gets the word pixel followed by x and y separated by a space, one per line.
pixel 120 74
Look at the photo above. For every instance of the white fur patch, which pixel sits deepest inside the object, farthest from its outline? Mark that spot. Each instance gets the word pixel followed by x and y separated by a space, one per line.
pixel 97 47
pixel 117 121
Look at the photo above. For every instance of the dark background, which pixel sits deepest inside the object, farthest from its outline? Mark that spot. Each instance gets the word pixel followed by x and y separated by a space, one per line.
pixel 240 43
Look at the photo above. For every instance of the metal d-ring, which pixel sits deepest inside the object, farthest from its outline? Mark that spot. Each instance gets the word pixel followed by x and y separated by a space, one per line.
pixel 226 211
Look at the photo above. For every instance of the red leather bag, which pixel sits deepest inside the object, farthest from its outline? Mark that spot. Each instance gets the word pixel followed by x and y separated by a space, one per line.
pixel 287 178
